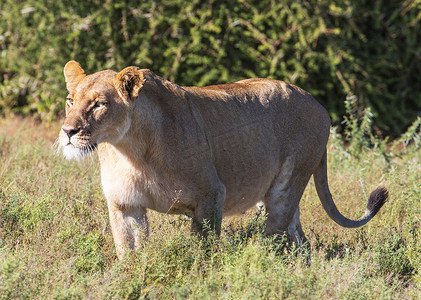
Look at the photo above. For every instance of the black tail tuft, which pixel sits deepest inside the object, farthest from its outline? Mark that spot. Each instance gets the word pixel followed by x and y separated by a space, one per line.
pixel 377 198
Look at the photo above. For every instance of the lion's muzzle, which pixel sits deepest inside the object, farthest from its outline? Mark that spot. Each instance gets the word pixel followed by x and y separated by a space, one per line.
pixel 74 144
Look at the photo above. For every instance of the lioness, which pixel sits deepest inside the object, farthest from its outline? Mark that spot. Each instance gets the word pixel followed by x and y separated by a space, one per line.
pixel 207 152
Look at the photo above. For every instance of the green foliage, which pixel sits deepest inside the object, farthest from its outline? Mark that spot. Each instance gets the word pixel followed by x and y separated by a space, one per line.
pixel 413 133
pixel 333 50
pixel 252 227
pixel 391 255
pixel 359 135
pixel 358 132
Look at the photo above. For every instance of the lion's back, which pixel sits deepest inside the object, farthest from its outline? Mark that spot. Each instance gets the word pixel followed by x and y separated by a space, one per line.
pixel 258 100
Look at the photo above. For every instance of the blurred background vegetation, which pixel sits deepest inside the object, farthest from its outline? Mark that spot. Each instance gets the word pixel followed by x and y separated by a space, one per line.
pixel 364 50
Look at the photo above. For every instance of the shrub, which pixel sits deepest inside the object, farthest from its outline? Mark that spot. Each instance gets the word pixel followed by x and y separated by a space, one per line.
pixel 333 50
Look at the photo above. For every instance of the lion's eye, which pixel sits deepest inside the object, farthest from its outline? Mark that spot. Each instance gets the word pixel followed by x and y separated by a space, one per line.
pixel 69 101
pixel 100 104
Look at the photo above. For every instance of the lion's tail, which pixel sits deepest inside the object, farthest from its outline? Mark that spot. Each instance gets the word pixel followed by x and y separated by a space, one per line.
pixel 377 198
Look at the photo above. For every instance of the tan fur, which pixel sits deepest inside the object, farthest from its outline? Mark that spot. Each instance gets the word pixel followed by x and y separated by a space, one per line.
pixel 206 152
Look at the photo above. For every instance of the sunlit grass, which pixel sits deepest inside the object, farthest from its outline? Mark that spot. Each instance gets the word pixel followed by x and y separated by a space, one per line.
pixel 55 240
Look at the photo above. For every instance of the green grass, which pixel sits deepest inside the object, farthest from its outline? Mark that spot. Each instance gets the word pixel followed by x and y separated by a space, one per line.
pixel 55 240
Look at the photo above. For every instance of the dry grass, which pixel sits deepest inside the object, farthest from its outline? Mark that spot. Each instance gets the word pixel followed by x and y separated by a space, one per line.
pixel 55 241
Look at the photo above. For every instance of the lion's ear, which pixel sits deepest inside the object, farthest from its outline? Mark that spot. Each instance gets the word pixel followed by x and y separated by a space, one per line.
pixel 73 73
pixel 129 82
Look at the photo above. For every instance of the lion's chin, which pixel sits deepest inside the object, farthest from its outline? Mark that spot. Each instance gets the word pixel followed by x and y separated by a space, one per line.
pixel 71 152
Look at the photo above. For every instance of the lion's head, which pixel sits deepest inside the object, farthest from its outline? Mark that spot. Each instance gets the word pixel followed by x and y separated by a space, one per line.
pixel 98 108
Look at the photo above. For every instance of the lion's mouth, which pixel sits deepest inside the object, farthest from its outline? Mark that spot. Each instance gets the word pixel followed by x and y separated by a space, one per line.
pixel 71 151
pixel 89 148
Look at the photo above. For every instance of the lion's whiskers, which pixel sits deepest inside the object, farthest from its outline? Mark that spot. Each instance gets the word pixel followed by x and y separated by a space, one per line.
pixel 56 147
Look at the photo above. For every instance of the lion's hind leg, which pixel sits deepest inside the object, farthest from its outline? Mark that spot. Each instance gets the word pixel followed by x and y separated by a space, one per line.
pixel 295 231
pixel 282 203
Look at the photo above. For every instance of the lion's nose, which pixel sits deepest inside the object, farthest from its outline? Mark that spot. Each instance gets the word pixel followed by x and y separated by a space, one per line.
pixel 70 131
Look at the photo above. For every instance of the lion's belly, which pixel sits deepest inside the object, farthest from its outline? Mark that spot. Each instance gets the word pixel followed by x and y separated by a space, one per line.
pixel 249 188
pixel 235 206
pixel 247 162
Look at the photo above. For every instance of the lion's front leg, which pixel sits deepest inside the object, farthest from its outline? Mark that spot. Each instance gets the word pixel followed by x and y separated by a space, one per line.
pixel 208 213
pixel 129 226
